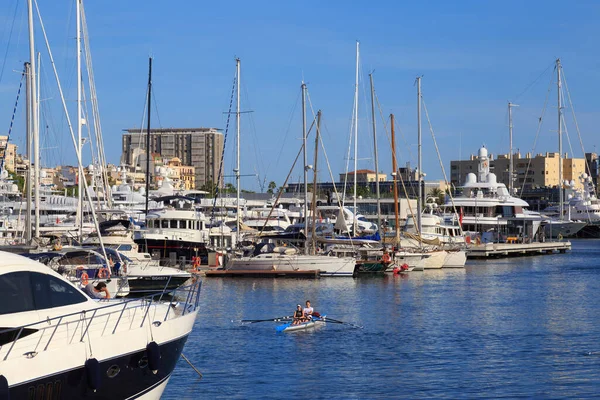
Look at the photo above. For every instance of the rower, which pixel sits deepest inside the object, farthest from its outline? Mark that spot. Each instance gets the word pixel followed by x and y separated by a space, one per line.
pixel 298 315
pixel 308 311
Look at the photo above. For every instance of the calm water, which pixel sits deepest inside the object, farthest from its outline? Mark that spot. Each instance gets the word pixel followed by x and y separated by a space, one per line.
pixel 521 327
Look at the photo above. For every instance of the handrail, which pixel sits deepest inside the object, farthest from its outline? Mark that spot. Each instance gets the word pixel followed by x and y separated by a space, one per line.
pixel 191 303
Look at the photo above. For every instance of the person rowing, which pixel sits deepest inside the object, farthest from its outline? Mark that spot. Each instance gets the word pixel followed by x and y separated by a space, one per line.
pixel 298 315
pixel 308 311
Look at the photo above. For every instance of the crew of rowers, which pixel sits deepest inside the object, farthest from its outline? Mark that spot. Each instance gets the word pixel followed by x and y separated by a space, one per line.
pixel 302 315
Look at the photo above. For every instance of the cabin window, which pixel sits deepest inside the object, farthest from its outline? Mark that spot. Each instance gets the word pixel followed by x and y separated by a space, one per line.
pixel 125 247
pixel 15 293
pixel 173 224
pixel 49 292
pixel 165 223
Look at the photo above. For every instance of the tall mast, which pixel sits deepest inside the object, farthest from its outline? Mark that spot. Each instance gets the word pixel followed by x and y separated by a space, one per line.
pixel 28 144
pixel 33 107
pixel 394 174
pixel 510 150
pixel 305 168
pixel 355 212
pixel 419 163
pixel 36 150
pixel 81 176
pixel 313 205
pixel 237 168
pixel 560 163
pixel 148 134
pixel 375 150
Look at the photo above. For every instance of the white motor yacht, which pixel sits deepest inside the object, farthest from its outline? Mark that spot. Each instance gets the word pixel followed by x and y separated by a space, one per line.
pixel 57 343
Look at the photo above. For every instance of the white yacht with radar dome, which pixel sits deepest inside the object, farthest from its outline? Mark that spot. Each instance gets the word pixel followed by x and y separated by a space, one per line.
pixel 486 209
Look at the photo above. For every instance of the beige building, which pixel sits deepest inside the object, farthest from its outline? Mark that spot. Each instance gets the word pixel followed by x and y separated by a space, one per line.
pixel 363 175
pixel 200 148
pixel 9 154
pixel 530 172
pixel 183 176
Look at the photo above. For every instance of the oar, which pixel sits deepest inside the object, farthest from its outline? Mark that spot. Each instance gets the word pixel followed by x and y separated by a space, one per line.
pixel 253 321
pixel 337 321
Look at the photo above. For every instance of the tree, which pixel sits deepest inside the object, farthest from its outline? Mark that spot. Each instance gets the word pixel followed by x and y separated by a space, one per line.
pixel 209 187
pixel 272 187
pixel 438 195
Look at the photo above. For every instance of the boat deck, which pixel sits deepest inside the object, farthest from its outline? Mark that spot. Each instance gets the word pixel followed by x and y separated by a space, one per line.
pixel 489 250
pixel 223 273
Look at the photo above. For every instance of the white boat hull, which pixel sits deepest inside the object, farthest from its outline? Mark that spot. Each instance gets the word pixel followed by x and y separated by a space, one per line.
pixel 328 266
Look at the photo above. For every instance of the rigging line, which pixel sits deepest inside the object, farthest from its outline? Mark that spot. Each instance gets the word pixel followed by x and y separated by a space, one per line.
pixel 156 105
pixel 259 159
pixel 286 180
pixel 224 145
pixel 350 141
pixel 575 119
pixel 12 120
pixel 537 133
pixel 437 150
pixel 141 135
pixel 290 119
pixel 564 125
pixel 337 194
pixel 534 82
pixel 12 25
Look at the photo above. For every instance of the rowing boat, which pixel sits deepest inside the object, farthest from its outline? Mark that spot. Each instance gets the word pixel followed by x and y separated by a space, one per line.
pixel 304 325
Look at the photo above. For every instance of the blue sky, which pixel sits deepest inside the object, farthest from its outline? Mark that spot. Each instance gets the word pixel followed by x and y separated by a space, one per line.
pixel 474 56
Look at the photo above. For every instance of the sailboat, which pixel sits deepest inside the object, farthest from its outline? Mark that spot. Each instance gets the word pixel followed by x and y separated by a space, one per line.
pixel 267 257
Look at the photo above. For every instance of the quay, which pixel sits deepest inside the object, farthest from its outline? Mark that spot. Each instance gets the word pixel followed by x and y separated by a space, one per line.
pixel 223 273
pixel 497 250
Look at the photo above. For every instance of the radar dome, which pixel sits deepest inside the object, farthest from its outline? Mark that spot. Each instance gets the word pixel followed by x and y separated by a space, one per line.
pixel 471 178
pixel 90 167
pixel 483 152
pixel 492 179
pixel 584 175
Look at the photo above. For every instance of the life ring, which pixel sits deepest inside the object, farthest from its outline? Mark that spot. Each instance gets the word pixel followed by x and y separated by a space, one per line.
pixel 85 279
pixel 196 262
pixel 386 259
pixel 103 273
pixel 57 246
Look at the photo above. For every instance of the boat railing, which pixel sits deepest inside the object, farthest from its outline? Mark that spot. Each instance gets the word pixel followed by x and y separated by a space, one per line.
pixel 179 302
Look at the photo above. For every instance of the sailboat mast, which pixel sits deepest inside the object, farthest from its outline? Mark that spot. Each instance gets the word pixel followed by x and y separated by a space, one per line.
pixel 419 161
pixel 510 150
pixel 28 235
pixel 305 168
pixel 36 150
pixel 313 205
pixel 560 163
pixel 375 151
pixel 354 211
pixel 237 167
pixel 79 147
pixel 33 111
pixel 148 134
pixel 394 174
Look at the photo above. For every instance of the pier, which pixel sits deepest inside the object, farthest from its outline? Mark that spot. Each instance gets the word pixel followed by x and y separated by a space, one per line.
pixel 223 273
pixel 497 250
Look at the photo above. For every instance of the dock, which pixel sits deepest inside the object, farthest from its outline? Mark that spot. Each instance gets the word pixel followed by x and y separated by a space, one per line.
pixel 223 273
pixel 497 250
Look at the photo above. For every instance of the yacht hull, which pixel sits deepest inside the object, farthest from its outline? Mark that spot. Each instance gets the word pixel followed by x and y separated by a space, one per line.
pixel 328 266
pixel 134 379
pixel 455 259
pixel 155 283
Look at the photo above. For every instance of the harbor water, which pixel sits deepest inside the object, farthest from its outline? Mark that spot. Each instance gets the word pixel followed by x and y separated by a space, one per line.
pixel 518 327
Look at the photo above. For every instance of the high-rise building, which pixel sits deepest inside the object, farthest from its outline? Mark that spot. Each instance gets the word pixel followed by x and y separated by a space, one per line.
pixel 200 148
